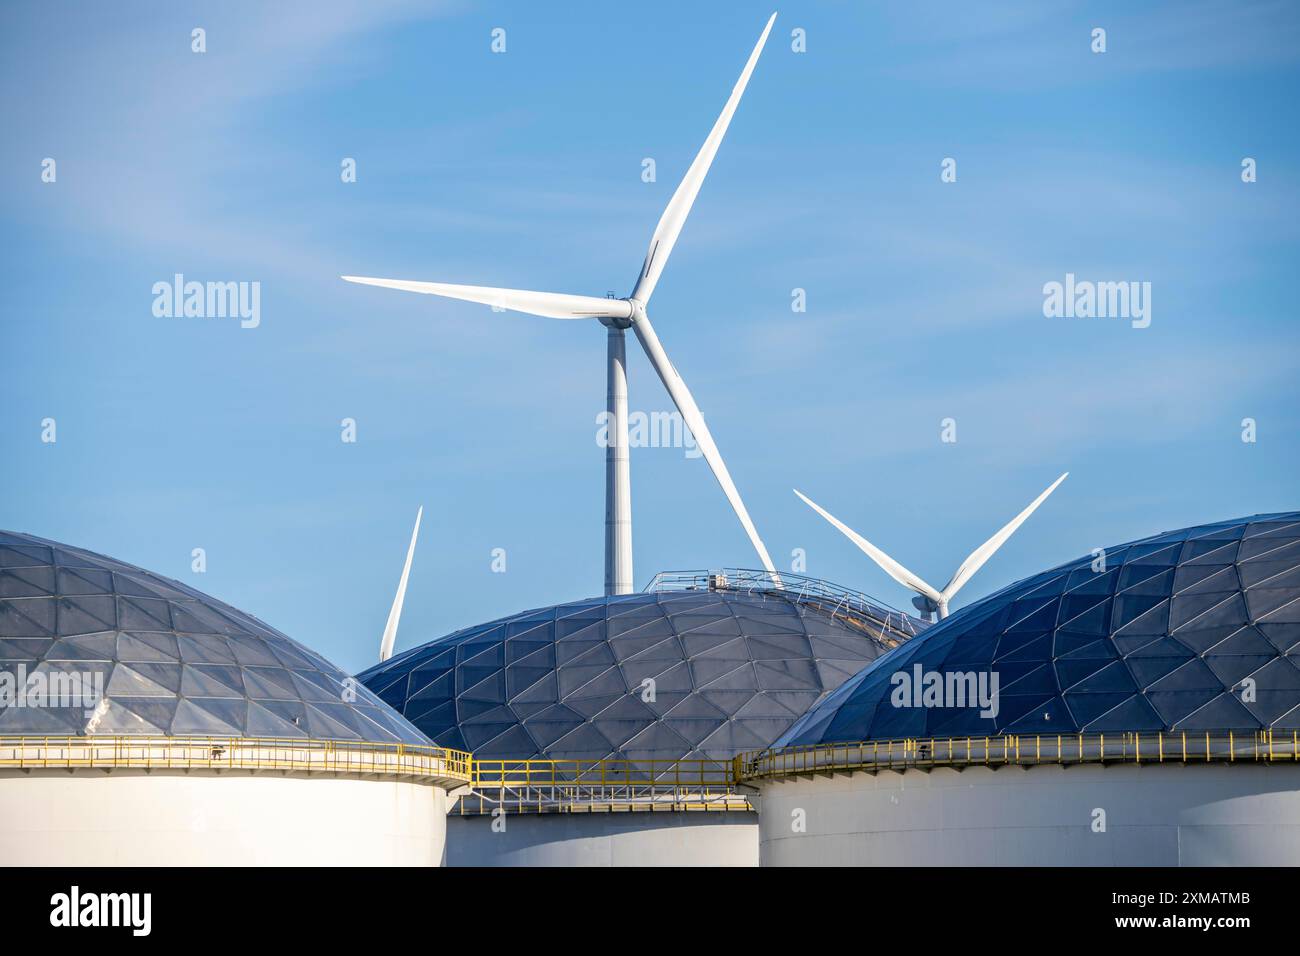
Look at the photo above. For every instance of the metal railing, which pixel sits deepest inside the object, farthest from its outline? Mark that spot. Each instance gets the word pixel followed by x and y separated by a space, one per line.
pixel 862 610
pixel 575 786
pixel 453 767
pixel 619 785
pixel 923 753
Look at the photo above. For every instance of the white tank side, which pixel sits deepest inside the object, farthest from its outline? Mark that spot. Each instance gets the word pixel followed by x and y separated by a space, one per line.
pixel 1241 814
pixel 605 839
pixel 126 818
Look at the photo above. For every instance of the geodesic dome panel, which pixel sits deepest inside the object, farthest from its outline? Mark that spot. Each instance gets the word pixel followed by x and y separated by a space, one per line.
pixel 1192 630
pixel 167 659
pixel 668 675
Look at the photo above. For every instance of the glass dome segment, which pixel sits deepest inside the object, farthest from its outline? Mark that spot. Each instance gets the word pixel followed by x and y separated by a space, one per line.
pixel 1192 630
pixel 94 646
pixel 663 675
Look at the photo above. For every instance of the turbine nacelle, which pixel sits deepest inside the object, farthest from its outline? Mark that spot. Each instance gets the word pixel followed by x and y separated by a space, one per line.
pixel 634 310
pixel 927 606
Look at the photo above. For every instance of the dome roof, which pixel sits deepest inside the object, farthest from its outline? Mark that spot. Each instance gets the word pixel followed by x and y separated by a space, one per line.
pixel 731 670
pixel 167 659
pixel 1162 637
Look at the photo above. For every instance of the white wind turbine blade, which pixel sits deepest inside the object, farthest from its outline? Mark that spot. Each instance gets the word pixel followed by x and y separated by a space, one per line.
pixel 694 420
pixel 891 567
pixel 551 305
pixel 395 614
pixel 985 550
pixel 679 207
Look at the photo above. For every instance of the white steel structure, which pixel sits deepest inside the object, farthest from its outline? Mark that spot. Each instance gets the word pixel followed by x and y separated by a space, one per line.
pixel 930 599
pixel 679 838
pixel 619 315
pixel 130 801
pixel 1155 814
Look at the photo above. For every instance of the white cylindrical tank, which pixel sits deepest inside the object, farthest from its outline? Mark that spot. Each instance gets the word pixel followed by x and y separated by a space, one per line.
pixel 1157 814
pixel 233 818
pixel 619 838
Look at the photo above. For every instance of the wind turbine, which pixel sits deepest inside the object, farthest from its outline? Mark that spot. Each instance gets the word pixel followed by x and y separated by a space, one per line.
pixel 619 315
pixel 395 613
pixel 930 599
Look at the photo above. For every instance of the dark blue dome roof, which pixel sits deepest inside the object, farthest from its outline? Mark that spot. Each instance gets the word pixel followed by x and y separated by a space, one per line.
pixel 731 671
pixel 160 658
pixel 1196 629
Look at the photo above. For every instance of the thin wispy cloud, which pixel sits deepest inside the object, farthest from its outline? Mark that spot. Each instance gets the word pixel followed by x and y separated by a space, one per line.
pixel 924 299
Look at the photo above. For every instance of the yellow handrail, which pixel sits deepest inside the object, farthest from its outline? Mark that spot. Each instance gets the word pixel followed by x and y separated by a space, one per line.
pixel 540 785
pixel 235 753
pixel 1221 746
pixel 491 774
pixel 621 784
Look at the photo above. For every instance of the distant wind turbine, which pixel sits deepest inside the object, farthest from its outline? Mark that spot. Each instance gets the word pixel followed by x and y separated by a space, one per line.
pixel 930 599
pixel 618 315
pixel 395 613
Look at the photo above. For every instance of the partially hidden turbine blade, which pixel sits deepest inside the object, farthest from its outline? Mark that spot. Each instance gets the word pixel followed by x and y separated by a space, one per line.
pixel 891 567
pixel 694 420
pixel 395 613
pixel 551 305
pixel 679 207
pixel 986 550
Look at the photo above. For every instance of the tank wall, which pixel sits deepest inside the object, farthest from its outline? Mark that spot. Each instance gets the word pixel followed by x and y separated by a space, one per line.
pixel 605 839
pixel 1154 815
pixel 92 818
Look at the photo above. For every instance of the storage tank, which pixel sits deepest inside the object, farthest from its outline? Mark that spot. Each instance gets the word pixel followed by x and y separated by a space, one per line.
pixel 603 730
pixel 144 723
pixel 1138 706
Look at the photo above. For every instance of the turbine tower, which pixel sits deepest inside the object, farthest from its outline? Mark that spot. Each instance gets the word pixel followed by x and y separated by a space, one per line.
pixel 930 599
pixel 619 315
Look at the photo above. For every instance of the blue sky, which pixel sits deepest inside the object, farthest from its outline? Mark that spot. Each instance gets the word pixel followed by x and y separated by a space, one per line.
pixel 924 299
